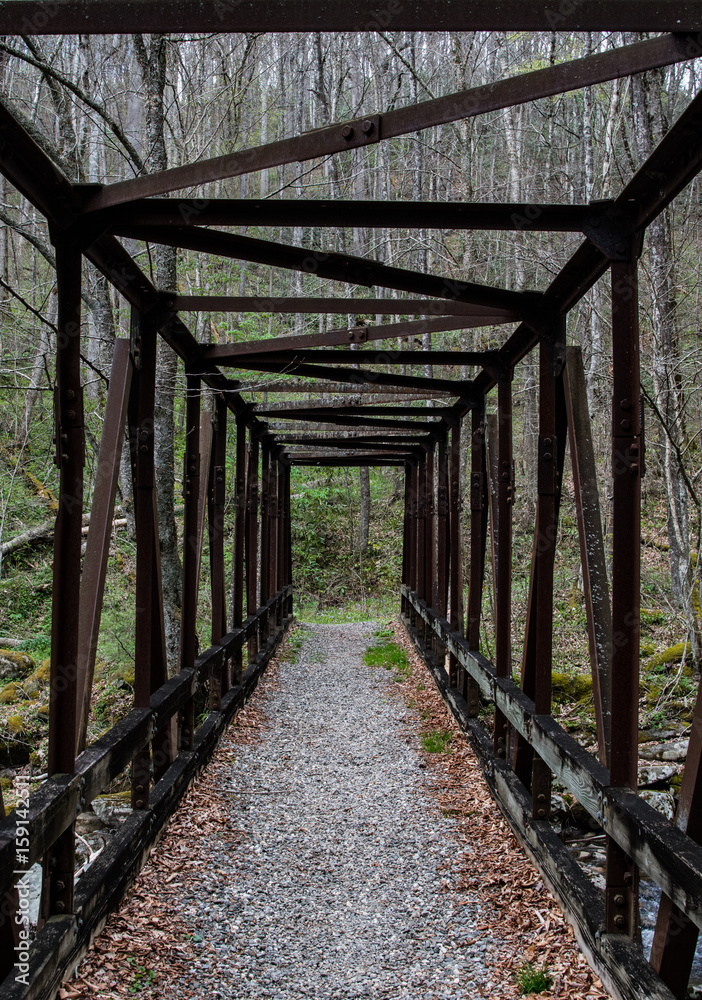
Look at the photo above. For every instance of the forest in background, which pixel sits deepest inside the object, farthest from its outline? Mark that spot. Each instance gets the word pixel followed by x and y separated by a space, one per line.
pixel 109 108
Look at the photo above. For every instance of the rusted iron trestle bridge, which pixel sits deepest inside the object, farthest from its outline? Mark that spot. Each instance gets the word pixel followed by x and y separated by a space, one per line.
pixel 158 739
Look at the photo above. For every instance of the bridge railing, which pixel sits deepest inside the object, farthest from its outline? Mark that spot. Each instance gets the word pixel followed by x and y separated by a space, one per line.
pixel 669 857
pixel 64 938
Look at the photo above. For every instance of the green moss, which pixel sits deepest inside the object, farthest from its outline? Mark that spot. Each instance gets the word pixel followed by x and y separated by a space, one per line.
pixel 653 693
pixel 673 654
pixel 43 672
pixel 571 687
pixel 650 616
pixel 6 784
pixel 16 663
pixel 646 649
pixel 574 596
pixel 9 694
pixel 15 724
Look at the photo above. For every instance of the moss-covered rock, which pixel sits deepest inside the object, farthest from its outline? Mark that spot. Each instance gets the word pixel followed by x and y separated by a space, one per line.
pixel 14 663
pixel 571 687
pixel 15 724
pixel 37 681
pixel 9 694
pixel 673 654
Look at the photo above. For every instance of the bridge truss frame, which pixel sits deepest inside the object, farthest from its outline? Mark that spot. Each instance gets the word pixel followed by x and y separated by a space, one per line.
pixel 158 739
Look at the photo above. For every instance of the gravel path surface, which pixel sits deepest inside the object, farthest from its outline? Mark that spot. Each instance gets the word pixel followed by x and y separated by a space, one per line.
pixel 339 887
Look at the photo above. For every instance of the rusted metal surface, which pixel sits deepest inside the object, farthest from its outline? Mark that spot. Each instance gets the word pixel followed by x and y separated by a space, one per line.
pixel 675 937
pixel 334 306
pixel 191 547
pixel 336 266
pixel 146 616
pixel 57 892
pixel 454 107
pixel 454 542
pixel 592 551
pixel 100 530
pixel 216 494
pixel 318 212
pixel 621 891
pixel 503 559
pixel 252 535
pixel 230 354
pixel 35 17
pixel 404 436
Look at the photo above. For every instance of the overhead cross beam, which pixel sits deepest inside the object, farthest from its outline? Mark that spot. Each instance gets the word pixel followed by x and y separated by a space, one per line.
pixel 357 335
pixel 671 166
pixel 335 266
pixel 323 388
pixel 99 17
pixel 652 15
pixel 226 354
pixel 358 440
pixel 295 212
pixel 337 461
pixel 337 306
pixel 360 410
pixel 328 422
pixel 356 376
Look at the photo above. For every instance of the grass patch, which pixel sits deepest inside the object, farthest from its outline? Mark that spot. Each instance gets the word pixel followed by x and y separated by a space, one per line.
pixel 293 645
pixel 308 610
pixel 436 741
pixel 533 980
pixel 389 656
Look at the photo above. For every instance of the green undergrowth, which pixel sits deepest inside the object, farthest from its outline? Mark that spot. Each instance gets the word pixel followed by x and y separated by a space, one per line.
pixel 389 656
pixel 436 741
pixel 368 609
pixel 532 980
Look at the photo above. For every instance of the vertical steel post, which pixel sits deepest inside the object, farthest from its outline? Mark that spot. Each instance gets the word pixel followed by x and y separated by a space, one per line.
pixel 219 680
pixel 593 558
pixel 478 543
pixel 288 539
pixel 142 437
pixel 503 575
pixel 406 536
pixel 266 478
pixel 621 892
pixel 70 458
pixel 282 529
pixel 442 546
pixel 191 548
pixel 455 551
pixel 548 475
pixel 252 539
pixel 237 618
pixel 273 528
pixel 413 533
pixel 675 937
pixel 429 543
pixel 421 542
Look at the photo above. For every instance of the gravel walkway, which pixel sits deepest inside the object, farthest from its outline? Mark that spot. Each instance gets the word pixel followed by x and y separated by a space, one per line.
pixel 338 888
